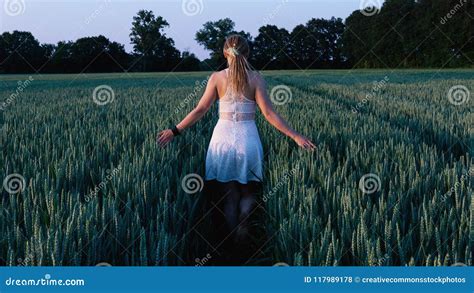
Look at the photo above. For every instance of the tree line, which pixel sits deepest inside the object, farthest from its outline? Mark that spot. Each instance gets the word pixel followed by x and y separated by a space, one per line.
pixel 401 34
pixel 412 33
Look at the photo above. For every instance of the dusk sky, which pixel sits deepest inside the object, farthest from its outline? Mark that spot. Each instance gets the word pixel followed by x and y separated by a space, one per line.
pixel 54 20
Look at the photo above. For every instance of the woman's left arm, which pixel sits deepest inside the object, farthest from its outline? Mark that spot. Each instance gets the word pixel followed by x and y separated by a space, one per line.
pixel 207 99
pixel 265 105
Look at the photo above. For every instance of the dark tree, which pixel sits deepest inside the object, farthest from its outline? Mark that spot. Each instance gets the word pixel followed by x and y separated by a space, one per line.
pixel 62 60
pixel 270 48
pixel 189 62
pixel 212 35
pixel 155 50
pixel 48 50
pixel 98 54
pixel 91 54
pixel 326 39
pixel 20 52
pixel 318 44
pixel 358 41
pixel 408 33
pixel 301 53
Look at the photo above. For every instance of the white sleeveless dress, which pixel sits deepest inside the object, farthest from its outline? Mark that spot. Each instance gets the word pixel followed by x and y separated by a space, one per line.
pixel 235 151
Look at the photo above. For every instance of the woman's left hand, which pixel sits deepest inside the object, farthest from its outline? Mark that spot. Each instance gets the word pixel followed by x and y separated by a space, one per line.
pixel 164 137
pixel 304 142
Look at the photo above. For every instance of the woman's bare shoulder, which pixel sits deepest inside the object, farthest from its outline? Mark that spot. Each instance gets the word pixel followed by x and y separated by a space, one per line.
pixel 218 75
pixel 256 78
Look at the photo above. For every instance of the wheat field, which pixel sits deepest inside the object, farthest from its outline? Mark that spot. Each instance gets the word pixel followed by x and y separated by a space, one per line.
pixel 390 184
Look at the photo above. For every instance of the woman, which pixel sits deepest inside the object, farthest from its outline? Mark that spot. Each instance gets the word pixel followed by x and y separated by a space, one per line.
pixel 234 158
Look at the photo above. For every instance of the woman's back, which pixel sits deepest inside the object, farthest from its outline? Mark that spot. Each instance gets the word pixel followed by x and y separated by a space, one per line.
pixel 235 106
pixel 224 89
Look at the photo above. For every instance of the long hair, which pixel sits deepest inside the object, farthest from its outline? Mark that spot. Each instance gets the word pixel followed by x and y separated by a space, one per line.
pixel 237 48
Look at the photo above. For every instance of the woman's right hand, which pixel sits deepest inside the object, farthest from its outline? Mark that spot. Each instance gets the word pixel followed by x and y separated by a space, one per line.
pixel 304 142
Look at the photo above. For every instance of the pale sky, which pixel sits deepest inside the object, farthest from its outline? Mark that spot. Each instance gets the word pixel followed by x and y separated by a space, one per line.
pixel 54 20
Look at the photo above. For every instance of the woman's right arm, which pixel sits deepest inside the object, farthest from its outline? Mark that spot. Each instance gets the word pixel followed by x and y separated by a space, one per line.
pixel 265 105
pixel 206 101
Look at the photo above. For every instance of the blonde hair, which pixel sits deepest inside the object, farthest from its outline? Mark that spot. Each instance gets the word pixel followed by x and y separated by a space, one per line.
pixel 237 49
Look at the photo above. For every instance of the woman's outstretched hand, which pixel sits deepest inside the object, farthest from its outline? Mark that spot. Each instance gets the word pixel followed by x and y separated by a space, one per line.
pixel 164 137
pixel 304 142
